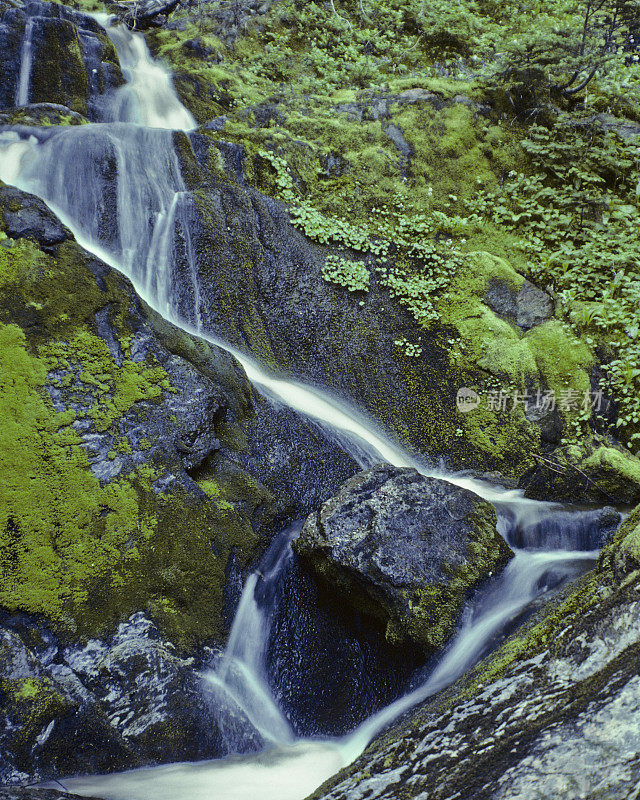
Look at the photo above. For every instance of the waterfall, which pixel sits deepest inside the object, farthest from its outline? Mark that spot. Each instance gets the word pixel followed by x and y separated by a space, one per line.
pixel 147 97
pixel 240 675
pixel 22 89
pixel 148 199
pixel 71 169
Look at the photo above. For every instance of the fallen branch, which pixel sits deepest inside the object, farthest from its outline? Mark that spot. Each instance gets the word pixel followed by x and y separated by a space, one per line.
pixel 142 14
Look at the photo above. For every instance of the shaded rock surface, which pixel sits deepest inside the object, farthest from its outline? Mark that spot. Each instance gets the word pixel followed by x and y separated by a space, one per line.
pixel 328 663
pixel 73 63
pixel 31 219
pixel 405 550
pixel 110 704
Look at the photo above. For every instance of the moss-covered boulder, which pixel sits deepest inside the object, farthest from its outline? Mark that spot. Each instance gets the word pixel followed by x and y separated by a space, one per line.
pixel 405 550
pixel 120 430
pixel 68 57
pixel 592 473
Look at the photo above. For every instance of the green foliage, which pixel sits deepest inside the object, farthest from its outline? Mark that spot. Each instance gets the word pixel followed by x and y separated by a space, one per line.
pixel 354 275
pixel 563 52
pixel 578 215
pixel 414 252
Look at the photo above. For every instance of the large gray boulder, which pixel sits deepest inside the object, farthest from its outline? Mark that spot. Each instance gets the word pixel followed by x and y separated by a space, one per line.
pixel 404 549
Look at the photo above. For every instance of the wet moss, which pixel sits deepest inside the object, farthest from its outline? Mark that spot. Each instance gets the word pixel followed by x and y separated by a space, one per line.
pixel 85 553
pixel 58 73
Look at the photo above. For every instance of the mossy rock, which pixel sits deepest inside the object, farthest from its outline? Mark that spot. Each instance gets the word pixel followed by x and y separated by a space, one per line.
pixel 94 482
pixel 73 62
pixel 403 550
pixel 42 114
pixel 592 473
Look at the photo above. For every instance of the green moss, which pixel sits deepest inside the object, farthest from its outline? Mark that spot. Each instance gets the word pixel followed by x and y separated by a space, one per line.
pixel 435 610
pixel 617 473
pixel 85 554
pixel 33 704
pixel 124 446
pixel 58 74
pixel 564 363
pixel 26 690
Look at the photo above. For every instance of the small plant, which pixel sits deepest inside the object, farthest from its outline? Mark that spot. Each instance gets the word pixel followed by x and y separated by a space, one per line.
pixel 353 275
pixel 578 215
pixel 409 348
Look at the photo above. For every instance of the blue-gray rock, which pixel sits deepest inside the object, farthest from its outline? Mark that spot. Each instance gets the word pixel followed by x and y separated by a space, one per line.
pixel 404 549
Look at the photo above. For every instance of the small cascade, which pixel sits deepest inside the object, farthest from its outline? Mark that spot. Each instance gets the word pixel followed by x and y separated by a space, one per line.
pixel 526 577
pixel 239 681
pixel 26 57
pixel 73 170
pixel 567 530
pixel 148 97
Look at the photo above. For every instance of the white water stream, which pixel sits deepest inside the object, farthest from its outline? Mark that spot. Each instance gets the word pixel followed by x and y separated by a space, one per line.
pixel 24 78
pixel 64 166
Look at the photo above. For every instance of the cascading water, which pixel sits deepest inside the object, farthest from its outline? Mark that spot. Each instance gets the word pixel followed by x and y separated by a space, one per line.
pixel 148 97
pixel 240 676
pixel 68 168
pixel 24 78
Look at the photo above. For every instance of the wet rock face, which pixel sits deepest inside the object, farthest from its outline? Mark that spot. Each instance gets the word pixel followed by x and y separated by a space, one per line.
pixel 110 704
pixel 30 217
pixel 49 728
pixel 330 667
pixel 150 695
pixel 72 60
pixel 404 549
